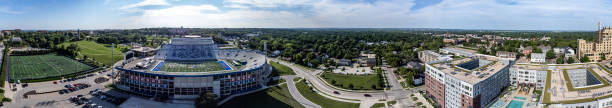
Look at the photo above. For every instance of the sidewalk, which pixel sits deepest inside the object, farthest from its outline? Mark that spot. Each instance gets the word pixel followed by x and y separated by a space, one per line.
pixel 422 100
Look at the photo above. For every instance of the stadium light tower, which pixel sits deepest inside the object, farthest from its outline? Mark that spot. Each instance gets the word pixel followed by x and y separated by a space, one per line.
pixel 113 63
pixel 265 49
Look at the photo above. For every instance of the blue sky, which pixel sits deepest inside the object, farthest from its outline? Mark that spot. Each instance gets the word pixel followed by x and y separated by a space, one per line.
pixel 448 14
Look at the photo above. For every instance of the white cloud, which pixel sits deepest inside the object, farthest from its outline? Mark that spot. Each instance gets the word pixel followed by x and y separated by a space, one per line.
pixel 147 3
pixel 270 3
pixel 180 11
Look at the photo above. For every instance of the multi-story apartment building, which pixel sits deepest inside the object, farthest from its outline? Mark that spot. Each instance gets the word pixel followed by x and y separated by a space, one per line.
pixel 466 82
pixel 522 74
pixel 601 47
pixel 429 56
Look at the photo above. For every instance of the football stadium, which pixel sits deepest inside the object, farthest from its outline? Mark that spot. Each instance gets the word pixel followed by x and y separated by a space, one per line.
pixel 191 65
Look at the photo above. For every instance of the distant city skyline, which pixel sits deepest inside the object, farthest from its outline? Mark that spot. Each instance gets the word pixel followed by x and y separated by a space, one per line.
pixel 444 14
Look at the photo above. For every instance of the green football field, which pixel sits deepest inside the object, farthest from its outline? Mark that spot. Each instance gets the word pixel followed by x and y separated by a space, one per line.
pixel 41 66
pixel 206 66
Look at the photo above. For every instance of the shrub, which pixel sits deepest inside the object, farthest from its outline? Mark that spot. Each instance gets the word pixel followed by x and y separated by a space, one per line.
pixel 6 100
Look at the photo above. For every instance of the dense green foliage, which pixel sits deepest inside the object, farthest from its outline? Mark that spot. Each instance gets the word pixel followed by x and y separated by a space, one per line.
pixel 408 74
pixel 206 100
pixel 396 46
pixel 4 66
pixel 42 39
pixel 304 47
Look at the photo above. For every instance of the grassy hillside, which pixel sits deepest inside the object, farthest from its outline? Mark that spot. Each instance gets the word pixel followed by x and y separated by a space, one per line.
pixel 273 97
pixel 99 52
pixel 281 69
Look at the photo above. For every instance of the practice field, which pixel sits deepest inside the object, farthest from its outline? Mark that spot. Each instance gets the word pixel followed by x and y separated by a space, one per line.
pixel 206 66
pixel 41 66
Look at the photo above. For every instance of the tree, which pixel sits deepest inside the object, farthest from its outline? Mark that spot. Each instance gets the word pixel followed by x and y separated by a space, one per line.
pixel 585 59
pixel 602 57
pixel 351 86
pixel 550 54
pixel 560 60
pixel 206 100
pixel 570 60
pixel 537 50
pixel 482 50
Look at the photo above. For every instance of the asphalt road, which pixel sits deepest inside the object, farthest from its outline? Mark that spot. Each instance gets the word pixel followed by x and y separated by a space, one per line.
pixel 296 94
pixel 396 92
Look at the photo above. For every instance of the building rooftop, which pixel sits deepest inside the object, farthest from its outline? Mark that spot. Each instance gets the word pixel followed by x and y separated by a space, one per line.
pixel 559 88
pixel 460 51
pixel 143 49
pixel 538 55
pixel 192 41
pixel 471 70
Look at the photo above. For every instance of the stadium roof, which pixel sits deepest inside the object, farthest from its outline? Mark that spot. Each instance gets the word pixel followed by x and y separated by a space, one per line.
pixel 192 41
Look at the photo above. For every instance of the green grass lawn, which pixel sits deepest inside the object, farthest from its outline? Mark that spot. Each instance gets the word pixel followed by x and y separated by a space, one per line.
pixel 273 97
pixel 280 69
pixel 378 105
pixel 40 66
pixel 100 52
pixel 320 100
pixel 205 66
pixel 360 82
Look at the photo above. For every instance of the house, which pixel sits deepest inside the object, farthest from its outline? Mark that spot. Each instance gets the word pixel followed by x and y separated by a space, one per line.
pixel 504 54
pixel 344 62
pixel 538 57
pixel 449 41
pixel 559 50
pixel 275 53
pixel 367 59
pixel 413 65
pixel 527 50
pixel 544 48
pixel 567 51
pixel 16 39
pixel 418 79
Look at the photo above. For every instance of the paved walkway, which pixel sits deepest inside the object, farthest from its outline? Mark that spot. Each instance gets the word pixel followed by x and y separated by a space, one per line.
pixel 296 94
pixel 422 100
pixel 368 103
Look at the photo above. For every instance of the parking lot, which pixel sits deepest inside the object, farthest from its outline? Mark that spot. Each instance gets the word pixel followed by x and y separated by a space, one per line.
pixel 68 93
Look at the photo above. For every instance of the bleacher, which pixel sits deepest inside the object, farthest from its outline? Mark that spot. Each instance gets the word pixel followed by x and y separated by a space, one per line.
pixel 252 59
pixel 186 49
